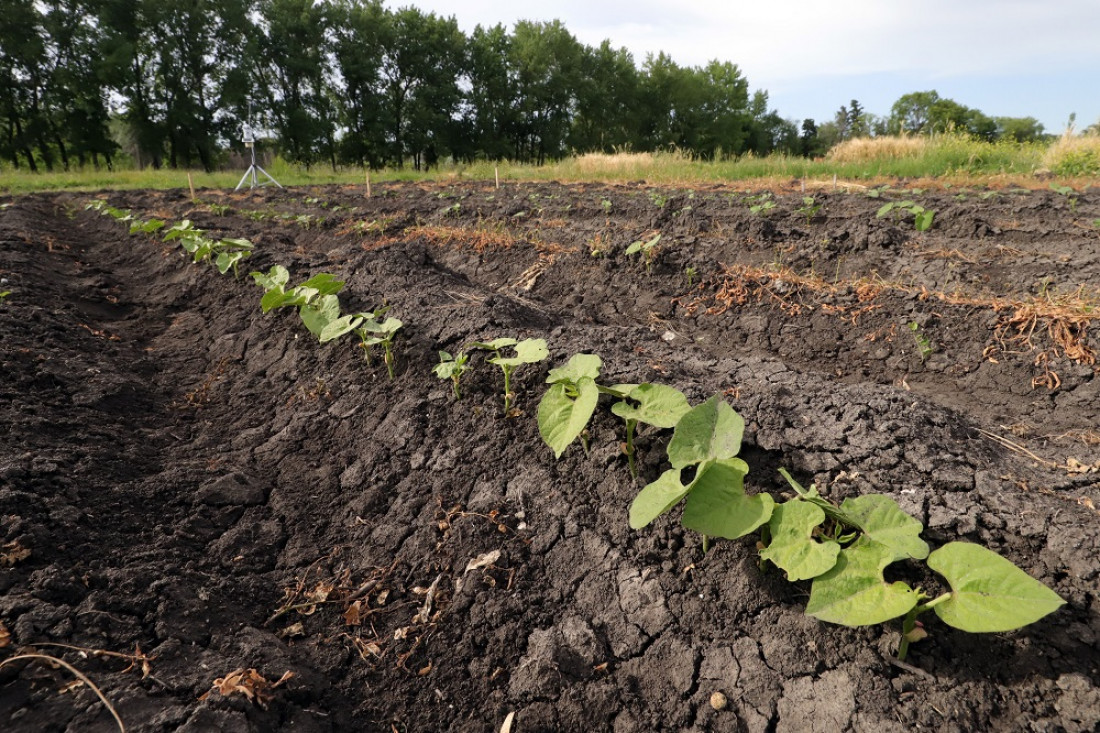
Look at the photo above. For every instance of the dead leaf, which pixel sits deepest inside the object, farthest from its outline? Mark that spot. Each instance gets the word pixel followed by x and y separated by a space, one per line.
pixel 250 683
pixel 380 599
pixel 352 617
pixel 507 727
pixel 5 635
pixel 11 553
pixel 1075 466
pixel 424 670
pixel 483 561
pixel 293 631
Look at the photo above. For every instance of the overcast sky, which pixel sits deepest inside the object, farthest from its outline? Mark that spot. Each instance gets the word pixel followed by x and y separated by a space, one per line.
pixel 1016 58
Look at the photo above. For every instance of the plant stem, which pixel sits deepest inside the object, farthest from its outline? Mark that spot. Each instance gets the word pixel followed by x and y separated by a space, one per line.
pixel 507 389
pixel 630 424
pixel 706 544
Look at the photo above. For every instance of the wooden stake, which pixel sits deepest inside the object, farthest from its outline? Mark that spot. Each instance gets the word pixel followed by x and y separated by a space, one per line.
pixel 496 175
pixel 368 182
pixel 834 181
pixel 191 185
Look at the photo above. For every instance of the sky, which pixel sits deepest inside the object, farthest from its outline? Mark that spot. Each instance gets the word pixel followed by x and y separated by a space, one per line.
pixel 1012 58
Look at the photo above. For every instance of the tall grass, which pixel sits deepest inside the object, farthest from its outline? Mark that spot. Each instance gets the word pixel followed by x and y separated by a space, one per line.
pixel 951 157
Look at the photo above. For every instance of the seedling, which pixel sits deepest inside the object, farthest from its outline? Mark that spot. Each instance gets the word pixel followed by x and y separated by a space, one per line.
pixel 1068 192
pixel 988 593
pixel 690 272
pixel 656 404
pixel 648 250
pixel 452 368
pixel 658 199
pixel 809 208
pixel 569 403
pixel 146 227
pixel 605 204
pixel 761 204
pixel 922 217
pixel 316 299
pixel 528 351
pixel 219 209
pixel 923 342
pixel 371 332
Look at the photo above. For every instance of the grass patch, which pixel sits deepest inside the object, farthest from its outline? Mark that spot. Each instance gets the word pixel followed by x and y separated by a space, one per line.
pixel 1074 155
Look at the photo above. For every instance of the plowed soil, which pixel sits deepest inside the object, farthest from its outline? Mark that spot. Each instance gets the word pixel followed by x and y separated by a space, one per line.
pixel 198 488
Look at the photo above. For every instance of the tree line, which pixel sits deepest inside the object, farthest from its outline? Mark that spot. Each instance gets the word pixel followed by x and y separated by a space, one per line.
pixel 169 82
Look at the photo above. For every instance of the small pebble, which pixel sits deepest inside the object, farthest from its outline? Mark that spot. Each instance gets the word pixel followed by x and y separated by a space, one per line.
pixel 718 701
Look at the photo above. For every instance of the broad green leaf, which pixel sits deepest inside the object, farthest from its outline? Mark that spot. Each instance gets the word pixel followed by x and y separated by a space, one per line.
pixel 793 548
pixel 923 221
pixel 562 419
pixel 276 277
pixel 884 210
pixel 342 325
pixel 658 405
pixel 710 431
pixel 657 498
pixel 528 351
pixel 320 313
pixel 717 504
pixel 235 243
pixel 226 260
pixel 278 299
pixel 855 593
pixel 578 366
pixel 494 345
pixel 386 328
pixel 988 592
pixel 882 521
pixel 324 283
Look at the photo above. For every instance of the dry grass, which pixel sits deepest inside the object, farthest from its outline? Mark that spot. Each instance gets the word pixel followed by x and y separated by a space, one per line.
pixel 873 149
pixel 479 240
pixel 597 164
pixel 1074 155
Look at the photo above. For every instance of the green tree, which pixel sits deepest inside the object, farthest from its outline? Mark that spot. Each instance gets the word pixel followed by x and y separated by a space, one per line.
pixel 359 27
pixel 491 114
pixel 1019 129
pixel 912 112
pixel 546 63
pixel 607 101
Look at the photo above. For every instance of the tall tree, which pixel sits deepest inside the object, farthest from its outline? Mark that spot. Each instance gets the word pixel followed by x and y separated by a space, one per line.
pixel 546 62
pixel 359 27
pixel 607 100
pixel 491 114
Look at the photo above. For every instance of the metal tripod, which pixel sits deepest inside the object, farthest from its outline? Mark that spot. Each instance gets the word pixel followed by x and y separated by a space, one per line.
pixel 250 174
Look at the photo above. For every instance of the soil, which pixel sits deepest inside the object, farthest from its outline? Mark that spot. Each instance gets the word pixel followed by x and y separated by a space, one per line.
pixel 198 489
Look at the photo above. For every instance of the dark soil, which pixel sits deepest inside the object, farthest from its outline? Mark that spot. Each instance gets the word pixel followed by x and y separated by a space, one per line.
pixel 185 476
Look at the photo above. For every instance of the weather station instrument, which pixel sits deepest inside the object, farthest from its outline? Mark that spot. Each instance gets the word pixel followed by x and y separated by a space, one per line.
pixel 250 175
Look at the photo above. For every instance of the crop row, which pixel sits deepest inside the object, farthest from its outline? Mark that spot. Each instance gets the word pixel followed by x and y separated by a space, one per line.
pixel 843 549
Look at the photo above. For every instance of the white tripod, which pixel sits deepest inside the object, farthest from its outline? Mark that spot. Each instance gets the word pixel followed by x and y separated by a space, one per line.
pixel 250 175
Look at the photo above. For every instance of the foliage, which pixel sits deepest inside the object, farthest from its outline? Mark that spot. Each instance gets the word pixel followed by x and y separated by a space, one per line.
pixel 809 208
pixel 316 299
pixel 452 368
pixel 370 330
pixel 923 342
pixel 528 351
pixel 922 217
pixel 648 250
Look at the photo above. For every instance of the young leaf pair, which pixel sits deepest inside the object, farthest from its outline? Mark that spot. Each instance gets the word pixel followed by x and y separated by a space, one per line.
pixel 528 351
pixel 316 299
pixel 370 330
pixel 571 400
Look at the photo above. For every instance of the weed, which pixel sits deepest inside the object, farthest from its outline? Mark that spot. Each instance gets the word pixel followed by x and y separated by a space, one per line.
pixel 691 273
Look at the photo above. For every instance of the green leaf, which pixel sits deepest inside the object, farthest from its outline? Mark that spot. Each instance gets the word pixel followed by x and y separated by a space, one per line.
pixel 528 351
pixel 883 522
pixel 710 431
pixel 657 498
pixel 320 313
pixel 386 328
pixel 324 283
pixel 234 243
pixel 988 592
pixel 494 345
pixel 923 220
pixel 561 419
pixel 658 405
pixel 276 277
pixel 793 548
pixel 884 210
pixel 855 593
pixel 278 299
pixel 342 325
pixel 578 366
pixel 717 504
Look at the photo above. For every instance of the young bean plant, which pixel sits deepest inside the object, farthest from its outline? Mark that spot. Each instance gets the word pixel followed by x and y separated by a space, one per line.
pixel 452 368
pixel 922 217
pixel 528 351
pixel 648 250
pixel 370 330
pixel 316 299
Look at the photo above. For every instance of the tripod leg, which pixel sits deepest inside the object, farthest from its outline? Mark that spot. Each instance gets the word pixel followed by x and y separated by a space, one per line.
pixel 261 170
pixel 244 177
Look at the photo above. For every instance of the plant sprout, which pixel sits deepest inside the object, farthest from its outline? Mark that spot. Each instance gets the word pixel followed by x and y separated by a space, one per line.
pixel 528 351
pixel 648 249
pixel 452 368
